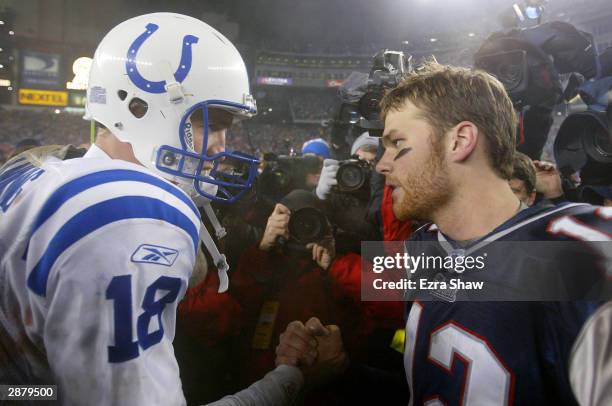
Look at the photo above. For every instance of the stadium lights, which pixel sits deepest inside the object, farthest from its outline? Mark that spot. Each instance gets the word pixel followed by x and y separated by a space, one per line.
pixel 433 40
pixel 270 109
pixel 531 10
pixel 471 34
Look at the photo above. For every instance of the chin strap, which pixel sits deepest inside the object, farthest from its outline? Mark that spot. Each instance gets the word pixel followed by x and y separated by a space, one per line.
pixel 219 259
pixel 173 88
pixel 210 214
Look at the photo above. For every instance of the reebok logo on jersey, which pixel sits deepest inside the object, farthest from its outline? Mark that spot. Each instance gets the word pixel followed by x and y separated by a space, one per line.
pixel 155 254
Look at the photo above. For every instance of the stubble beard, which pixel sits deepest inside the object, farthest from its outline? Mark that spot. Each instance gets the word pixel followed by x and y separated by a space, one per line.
pixel 427 190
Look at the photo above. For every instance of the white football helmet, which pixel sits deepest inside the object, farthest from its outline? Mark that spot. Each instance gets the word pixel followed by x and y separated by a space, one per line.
pixel 172 65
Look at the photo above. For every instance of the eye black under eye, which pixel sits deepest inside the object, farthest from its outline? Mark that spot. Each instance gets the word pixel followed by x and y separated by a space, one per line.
pixel 402 153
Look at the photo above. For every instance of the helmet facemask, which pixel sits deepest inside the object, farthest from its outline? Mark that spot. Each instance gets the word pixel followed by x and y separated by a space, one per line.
pixel 202 166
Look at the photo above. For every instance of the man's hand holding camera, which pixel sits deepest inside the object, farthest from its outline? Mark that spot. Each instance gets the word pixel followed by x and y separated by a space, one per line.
pixel 323 252
pixel 277 226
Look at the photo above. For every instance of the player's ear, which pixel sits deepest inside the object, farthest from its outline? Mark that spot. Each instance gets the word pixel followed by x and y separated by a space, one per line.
pixel 531 199
pixel 463 139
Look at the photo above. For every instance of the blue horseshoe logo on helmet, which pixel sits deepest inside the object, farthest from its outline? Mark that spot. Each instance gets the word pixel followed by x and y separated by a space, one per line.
pixel 157 87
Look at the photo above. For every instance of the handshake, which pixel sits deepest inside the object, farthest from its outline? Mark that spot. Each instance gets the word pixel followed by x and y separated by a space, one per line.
pixel 314 348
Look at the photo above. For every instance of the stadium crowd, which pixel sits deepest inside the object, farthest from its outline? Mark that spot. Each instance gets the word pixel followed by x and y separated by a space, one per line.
pixel 50 128
pixel 313 105
pixel 42 125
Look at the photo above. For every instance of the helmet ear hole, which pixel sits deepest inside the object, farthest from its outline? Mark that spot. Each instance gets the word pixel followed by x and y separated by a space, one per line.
pixel 122 94
pixel 138 107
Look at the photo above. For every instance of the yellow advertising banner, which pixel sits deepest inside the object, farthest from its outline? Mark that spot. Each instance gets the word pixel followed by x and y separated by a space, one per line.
pixel 43 97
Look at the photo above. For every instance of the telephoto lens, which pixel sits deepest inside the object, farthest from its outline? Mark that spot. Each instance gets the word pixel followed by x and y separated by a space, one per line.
pixel 308 223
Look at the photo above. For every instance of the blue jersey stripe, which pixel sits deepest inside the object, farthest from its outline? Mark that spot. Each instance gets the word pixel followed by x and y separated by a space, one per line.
pixel 8 195
pixel 98 216
pixel 7 176
pixel 74 187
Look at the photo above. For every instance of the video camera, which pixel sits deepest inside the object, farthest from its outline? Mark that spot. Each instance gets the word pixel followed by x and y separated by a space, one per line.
pixel 540 67
pixel 529 62
pixel 360 96
pixel 388 69
pixel 584 140
pixel 282 174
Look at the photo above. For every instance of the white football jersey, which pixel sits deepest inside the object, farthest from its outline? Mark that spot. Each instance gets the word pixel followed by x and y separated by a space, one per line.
pixel 95 255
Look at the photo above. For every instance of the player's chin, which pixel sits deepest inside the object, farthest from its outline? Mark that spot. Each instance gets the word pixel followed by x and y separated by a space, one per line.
pixel 397 194
pixel 399 210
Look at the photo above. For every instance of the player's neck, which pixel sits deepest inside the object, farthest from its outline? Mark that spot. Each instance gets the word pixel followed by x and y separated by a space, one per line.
pixel 114 148
pixel 478 208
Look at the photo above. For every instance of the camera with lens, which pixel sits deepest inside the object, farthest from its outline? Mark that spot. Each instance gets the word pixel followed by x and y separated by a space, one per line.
pixel 282 174
pixel 360 96
pixel 353 176
pixel 539 67
pixel 388 69
pixel 529 62
pixel 307 223
pixel 584 142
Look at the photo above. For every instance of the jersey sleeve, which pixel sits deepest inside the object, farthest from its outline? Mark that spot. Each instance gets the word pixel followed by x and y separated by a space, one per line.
pixel 590 366
pixel 279 387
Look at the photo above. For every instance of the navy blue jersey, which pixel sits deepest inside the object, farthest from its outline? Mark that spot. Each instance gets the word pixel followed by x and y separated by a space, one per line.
pixel 501 353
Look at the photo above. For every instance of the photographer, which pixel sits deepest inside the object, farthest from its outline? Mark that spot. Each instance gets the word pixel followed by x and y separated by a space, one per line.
pixel 374 361
pixel 347 189
pixel 364 148
pixel 283 278
pixel 309 280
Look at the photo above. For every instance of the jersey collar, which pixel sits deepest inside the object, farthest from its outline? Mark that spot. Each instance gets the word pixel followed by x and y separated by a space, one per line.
pixel 96 152
pixel 520 219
